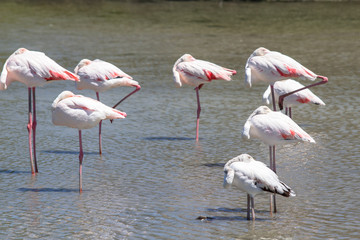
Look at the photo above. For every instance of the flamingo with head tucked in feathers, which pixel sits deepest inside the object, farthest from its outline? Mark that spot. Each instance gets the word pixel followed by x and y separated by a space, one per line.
pixel 188 70
pixel 301 97
pixel 34 69
pixel 77 111
pixel 253 177
pixel 273 128
pixel 101 76
pixel 268 66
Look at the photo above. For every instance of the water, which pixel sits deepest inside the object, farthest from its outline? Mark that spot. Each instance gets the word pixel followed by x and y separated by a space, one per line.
pixel 153 180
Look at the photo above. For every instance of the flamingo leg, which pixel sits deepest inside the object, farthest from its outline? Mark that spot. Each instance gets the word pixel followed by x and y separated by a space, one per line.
pixel 29 128
pixel 252 208
pixel 137 89
pixel 281 98
pixel 290 112
pixel 273 159
pixel 100 123
pixel 248 207
pixel 274 169
pixel 81 155
pixel 273 96
pixel 271 167
pixel 34 130
pixel 198 111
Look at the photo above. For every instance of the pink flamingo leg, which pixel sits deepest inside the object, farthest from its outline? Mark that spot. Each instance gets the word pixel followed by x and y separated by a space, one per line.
pixel 100 123
pixel 81 155
pixel 34 130
pixel 281 98
pixel 137 89
pixel 198 111
pixel 29 128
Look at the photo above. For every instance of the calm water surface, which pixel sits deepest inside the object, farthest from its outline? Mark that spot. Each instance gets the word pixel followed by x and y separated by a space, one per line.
pixel 153 180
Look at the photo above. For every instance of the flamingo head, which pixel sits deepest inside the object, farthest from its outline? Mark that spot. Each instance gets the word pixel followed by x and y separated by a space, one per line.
pixel 62 96
pixel 20 51
pixel 261 51
pixel 187 58
pixel 184 58
pixel 261 110
pixel 229 171
pixel 81 64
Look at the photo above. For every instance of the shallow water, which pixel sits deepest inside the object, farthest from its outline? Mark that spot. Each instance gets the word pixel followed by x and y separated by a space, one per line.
pixel 153 180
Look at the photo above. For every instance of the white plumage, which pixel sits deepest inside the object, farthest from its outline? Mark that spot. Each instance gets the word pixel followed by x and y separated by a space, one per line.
pixel 33 69
pixel 77 111
pixel 273 128
pixel 298 98
pixel 188 70
pixel 268 66
pixel 101 76
pixel 253 177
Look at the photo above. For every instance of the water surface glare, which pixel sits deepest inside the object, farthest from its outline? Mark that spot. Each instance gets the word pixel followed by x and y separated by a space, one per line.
pixel 153 180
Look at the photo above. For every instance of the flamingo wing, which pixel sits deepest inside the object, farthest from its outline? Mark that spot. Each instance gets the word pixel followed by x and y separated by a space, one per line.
pixel 199 71
pixel 81 112
pixel 275 66
pixel 255 176
pixel 99 71
pixel 288 67
pixel 33 66
pixel 303 96
pixel 276 128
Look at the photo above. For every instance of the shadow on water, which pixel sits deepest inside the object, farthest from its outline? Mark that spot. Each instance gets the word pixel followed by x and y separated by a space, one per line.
pixel 214 164
pixel 162 138
pixel 64 190
pixel 230 218
pixel 13 171
pixel 233 210
pixel 222 218
pixel 67 152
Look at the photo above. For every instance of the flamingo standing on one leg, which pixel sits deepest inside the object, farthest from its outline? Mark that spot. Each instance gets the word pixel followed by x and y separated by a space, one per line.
pixel 253 177
pixel 300 97
pixel 273 128
pixel 188 70
pixel 33 69
pixel 77 111
pixel 101 76
pixel 270 66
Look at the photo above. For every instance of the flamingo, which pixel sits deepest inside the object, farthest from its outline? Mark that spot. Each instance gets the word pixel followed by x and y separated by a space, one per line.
pixel 273 128
pixel 34 69
pixel 77 111
pixel 188 70
pixel 270 66
pixel 101 76
pixel 253 177
pixel 301 97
